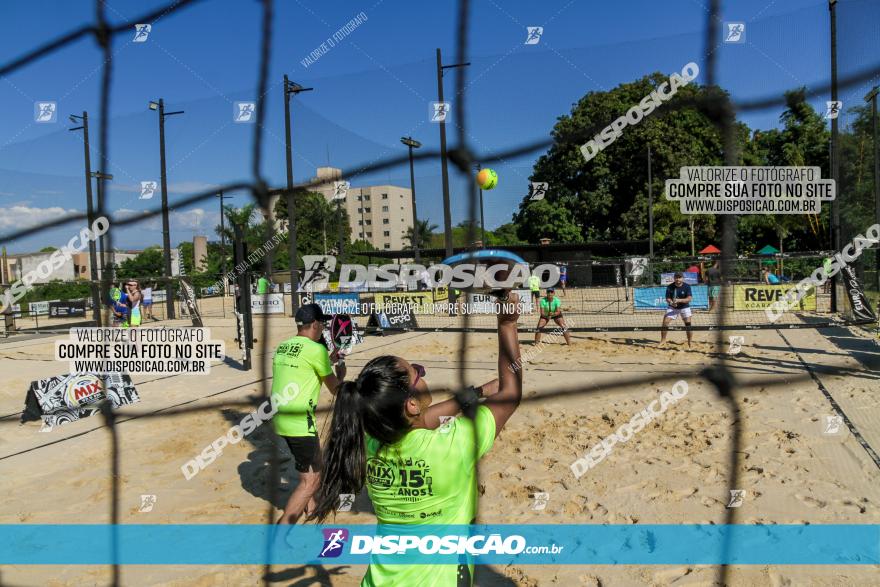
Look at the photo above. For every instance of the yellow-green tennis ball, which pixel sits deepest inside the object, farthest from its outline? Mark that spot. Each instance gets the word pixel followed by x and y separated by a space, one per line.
pixel 487 179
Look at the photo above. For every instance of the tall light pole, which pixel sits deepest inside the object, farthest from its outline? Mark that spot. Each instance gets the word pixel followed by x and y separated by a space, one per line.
pixel 835 150
pixel 223 239
pixel 90 212
pixel 166 229
pixel 411 143
pixel 650 208
pixel 872 98
pixel 107 269
pixel 291 88
pixel 447 214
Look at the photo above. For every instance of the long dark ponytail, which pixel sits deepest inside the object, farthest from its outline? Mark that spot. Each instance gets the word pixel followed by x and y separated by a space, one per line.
pixel 372 404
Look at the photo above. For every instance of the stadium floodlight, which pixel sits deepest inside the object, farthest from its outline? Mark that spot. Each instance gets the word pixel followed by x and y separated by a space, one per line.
pixel 413 144
pixel 154 105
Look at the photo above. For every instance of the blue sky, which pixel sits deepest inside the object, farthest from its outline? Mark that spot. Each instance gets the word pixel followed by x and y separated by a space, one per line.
pixel 370 89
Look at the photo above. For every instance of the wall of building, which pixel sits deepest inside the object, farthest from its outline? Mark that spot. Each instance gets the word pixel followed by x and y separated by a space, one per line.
pixel 379 214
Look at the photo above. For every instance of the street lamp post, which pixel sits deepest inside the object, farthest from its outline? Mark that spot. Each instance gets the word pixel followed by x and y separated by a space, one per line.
pixel 835 152
pixel 872 98
pixel 106 268
pixel 90 212
pixel 650 208
pixel 291 88
pixel 166 229
pixel 411 143
pixel 447 214
pixel 222 197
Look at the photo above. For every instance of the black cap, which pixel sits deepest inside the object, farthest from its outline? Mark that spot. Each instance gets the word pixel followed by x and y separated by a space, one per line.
pixel 551 290
pixel 309 313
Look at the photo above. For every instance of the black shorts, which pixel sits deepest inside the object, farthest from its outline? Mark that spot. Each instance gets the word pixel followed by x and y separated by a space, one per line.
pixel 306 453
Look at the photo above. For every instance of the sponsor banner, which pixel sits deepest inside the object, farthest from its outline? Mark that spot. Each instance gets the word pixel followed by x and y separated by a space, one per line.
pixel 441 294
pixel 654 298
pixel 339 303
pixel 159 296
pixel 761 296
pixel 495 544
pixel 189 304
pixel 68 309
pixel 40 308
pixel 272 304
pixel 690 278
pixel 858 305
pixel 418 302
pixel 395 316
pixel 488 304
pixel 370 286
pixel 636 267
pixel 65 398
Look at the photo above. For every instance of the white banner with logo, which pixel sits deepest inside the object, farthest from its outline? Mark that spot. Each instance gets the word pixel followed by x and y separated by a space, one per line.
pixel 267 304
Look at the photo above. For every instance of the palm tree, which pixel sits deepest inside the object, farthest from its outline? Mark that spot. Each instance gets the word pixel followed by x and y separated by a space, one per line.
pixel 425 230
pixel 242 216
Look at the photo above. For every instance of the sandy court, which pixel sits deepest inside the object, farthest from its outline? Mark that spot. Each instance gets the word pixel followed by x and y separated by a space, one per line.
pixel 673 471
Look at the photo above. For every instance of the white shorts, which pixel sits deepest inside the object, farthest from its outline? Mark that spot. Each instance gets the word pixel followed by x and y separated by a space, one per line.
pixel 674 313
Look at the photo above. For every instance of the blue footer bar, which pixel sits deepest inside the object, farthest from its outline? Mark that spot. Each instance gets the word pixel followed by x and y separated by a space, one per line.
pixel 642 544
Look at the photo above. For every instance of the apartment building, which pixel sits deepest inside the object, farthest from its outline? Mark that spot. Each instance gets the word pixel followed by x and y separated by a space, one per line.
pixel 378 214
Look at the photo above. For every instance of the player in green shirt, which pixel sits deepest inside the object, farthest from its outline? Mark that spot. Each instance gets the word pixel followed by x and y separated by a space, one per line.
pixel 417 460
pixel 551 309
pixel 535 288
pixel 262 285
pixel 302 363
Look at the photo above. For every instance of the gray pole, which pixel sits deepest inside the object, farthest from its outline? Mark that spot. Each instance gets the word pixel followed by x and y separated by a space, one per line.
pixel 341 227
pixel 223 240
pixel 166 229
pixel 107 259
pixel 291 88
pixel 873 97
pixel 650 208
pixel 447 214
pixel 835 152
pixel 413 144
pixel 291 218
pixel 90 211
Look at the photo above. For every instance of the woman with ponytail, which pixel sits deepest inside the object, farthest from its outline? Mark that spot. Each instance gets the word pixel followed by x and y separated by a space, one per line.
pixel 417 460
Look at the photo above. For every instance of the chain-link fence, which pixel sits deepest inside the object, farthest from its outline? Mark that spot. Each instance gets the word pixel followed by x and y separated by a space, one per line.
pixel 717 107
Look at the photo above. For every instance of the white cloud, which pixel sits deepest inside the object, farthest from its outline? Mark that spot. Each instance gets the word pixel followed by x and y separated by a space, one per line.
pixel 18 217
pixel 194 219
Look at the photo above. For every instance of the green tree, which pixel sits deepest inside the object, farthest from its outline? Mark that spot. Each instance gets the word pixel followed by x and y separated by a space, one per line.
pixel 543 219
pixel 317 223
pixel 48 249
pixel 503 235
pixel 802 141
pixel 425 230
pixel 148 263
pixel 606 198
